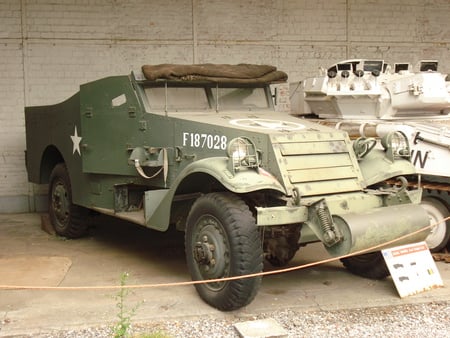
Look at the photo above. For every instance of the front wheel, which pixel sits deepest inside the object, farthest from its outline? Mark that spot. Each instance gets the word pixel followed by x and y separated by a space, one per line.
pixel 222 240
pixel 370 265
pixel 440 233
pixel 68 220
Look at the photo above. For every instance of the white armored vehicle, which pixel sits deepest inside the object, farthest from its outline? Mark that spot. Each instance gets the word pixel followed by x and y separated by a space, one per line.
pixel 369 98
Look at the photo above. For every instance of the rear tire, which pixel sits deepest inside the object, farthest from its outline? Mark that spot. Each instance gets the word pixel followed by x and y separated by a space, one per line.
pixel 68 220
pixel 440 234
pixel 370 265
pixel 222 240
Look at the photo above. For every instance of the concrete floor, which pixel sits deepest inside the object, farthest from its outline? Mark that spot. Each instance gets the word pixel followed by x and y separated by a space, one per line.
pixel 30 256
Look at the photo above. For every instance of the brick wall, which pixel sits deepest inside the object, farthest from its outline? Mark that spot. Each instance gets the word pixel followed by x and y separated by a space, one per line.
pixel 49 47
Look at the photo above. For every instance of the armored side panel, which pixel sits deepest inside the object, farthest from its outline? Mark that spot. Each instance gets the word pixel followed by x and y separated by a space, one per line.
pixel 111 123
pixel 48 138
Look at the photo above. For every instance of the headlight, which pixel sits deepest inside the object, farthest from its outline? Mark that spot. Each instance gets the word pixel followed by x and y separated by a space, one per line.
pixel 396 145
pixel 242 153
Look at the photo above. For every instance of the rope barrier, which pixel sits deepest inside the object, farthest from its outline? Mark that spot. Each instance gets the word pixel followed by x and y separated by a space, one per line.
pixel 186 283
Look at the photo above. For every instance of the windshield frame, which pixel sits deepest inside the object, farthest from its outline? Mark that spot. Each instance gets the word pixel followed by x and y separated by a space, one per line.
pixel 211 89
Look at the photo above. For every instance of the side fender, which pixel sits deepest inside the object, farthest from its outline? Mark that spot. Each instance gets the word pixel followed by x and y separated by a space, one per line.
pixel 157 213
pixel 243 181
pixel 376 167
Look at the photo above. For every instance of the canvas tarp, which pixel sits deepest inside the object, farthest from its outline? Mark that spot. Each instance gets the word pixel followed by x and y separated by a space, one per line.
pixel 220 73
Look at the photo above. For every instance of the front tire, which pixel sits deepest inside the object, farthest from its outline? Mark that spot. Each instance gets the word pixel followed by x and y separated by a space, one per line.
pixel 222 240
pixel 370 265
pixel 440 234
pixel 68 220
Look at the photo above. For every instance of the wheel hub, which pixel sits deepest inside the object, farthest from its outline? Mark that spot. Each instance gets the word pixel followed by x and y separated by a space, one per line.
pixel 210 251
pixel 203 253
pixel 60 203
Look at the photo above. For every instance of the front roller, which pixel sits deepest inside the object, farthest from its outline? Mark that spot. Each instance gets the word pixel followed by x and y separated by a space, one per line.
pixel 373 229
pixel 378 226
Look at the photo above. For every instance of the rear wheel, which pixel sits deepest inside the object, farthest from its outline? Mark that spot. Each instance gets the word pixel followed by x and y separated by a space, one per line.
pixel 370 265
pixel 222 240
pixel 68 220
pixel 440 233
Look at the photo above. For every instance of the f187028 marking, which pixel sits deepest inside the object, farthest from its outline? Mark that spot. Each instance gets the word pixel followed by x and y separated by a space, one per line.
pixel 209 141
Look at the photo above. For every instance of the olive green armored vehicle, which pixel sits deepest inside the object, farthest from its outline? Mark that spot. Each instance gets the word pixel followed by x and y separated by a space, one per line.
pixel 202 149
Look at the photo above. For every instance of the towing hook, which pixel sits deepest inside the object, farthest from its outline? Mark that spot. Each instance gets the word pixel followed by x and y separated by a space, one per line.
pixel 404 183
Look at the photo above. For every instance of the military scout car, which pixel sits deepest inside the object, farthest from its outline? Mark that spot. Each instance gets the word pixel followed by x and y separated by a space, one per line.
pixel 201 148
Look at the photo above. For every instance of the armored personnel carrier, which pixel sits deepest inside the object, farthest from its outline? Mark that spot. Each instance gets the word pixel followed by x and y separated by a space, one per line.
pixel 201 148
pixel 369 98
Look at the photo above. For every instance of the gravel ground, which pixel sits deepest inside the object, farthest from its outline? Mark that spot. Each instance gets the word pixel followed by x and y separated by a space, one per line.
pixel 412 320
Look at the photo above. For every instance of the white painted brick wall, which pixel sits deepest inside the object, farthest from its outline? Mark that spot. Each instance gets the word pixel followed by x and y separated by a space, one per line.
pixel 10 19
pixel 157 20
pixel 253 20
pixel 383 21
pixel 307 20
pixel 76 19
pixel 13 178
pixel 49 47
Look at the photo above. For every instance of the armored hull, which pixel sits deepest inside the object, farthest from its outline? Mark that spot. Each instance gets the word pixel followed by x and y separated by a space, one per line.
pixel 370 98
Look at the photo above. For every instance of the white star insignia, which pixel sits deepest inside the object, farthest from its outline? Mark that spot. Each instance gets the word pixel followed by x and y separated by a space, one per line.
pixel 76 141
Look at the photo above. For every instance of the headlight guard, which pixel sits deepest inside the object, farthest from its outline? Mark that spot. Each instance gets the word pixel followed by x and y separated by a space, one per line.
pixel 396 145
pixel 242 153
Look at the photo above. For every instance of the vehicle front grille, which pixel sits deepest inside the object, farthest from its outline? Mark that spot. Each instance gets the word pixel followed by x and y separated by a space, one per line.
pixel 318 165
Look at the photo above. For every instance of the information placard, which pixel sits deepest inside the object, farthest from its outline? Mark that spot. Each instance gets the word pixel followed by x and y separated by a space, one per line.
pixel 412 268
